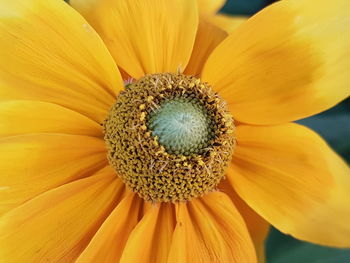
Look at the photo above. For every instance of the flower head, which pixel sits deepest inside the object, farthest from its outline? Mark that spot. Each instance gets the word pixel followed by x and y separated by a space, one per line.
pixel 138 131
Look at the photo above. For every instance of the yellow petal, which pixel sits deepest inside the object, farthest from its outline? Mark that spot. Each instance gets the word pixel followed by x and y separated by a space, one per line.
pixel 84 7
pixel 257 226
pixel 87 7
pixel 150 241
pixel 21 116
pixel 146 36
pixel 226 22
pixel 210 7
pixel 108 243
pixel 50 53
pixel 57 225
pixel 34 163
pixel 291 177
pixel 210 229
pixel 287 62
pixel 207 38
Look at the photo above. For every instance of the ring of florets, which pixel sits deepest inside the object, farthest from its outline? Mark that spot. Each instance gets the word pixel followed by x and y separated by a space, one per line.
pixel 150 164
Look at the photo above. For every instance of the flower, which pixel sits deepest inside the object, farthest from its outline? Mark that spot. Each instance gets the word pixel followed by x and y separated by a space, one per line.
pixel 61 200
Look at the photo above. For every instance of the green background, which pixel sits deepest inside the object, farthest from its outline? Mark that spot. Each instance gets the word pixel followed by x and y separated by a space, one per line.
pixel 334 126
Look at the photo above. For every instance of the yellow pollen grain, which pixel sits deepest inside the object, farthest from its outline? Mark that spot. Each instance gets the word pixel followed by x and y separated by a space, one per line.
pixel 143 116
pixel 200 162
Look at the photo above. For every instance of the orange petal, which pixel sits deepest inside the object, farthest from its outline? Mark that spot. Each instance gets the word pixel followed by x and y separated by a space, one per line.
pixel 207 38
pixel 210 229
pixel 108 243
pixel 34 163
pixel 257 226
pixel 150 241
pixel 226 22
pixel 50 53
pixel 291 177
pixel 57 225
pixel 20 117
pixel 146 36
pixel 287 62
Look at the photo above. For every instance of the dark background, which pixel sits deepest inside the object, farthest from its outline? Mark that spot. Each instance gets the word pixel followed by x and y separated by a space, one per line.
pixel 245 7
pixel 334 126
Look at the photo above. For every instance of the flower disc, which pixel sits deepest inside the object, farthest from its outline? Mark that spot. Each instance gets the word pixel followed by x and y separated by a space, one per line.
pixel 169 137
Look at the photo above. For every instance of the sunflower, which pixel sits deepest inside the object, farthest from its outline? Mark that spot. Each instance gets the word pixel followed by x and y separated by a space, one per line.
pixel 188 154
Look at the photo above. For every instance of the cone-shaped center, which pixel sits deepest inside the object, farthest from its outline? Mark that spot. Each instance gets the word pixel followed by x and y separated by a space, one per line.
pixel 182 126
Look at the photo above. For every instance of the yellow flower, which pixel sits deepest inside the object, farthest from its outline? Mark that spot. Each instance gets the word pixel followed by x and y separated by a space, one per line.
pixel 60 198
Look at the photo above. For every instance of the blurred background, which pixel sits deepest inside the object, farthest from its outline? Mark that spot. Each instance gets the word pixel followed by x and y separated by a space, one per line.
pixel 334 126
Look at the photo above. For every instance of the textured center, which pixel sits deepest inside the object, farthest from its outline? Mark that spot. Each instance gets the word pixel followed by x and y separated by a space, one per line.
pixel 182 126
pixel 169 137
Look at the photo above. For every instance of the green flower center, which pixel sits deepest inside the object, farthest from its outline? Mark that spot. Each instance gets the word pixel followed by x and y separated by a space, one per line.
pixel 182 126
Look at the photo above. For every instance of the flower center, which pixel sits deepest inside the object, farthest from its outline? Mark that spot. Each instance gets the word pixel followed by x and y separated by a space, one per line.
pixel 182 125
pixel 169 137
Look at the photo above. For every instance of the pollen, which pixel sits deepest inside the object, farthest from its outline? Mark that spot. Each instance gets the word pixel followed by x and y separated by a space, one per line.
pixel 169 137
